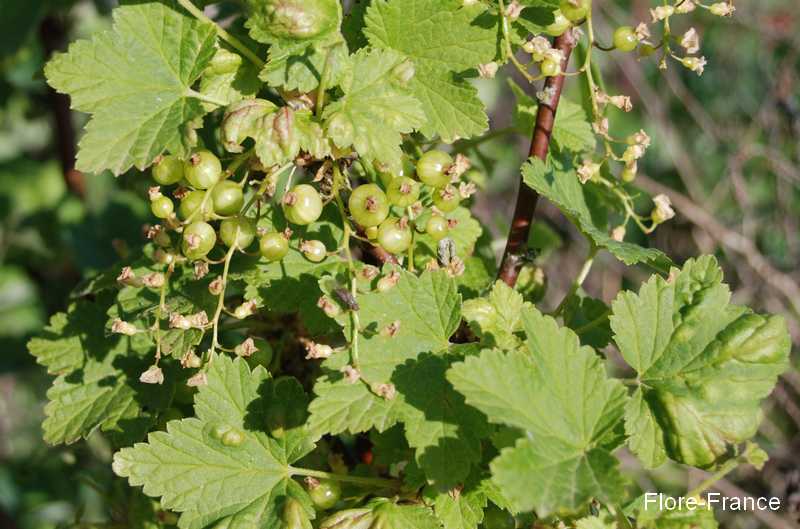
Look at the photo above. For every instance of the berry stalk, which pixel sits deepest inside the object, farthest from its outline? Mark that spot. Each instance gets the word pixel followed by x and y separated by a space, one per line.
pixel 516 246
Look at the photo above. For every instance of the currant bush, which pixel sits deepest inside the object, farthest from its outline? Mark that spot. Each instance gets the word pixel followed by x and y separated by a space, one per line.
pixel 370 365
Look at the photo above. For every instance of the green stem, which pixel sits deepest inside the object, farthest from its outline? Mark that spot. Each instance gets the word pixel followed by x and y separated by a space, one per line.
pixel 587 266
pixel 345 245
pixel 224 35
pixel 344 478
pixel 323 83
pixel 205 98
pixel 707 483
pixel 221 300
pixel 507 43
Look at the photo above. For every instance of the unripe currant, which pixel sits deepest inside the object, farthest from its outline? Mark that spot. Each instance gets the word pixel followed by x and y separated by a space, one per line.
pixel 446 199
pixel 432 168
pixel 168 170
pixel 162 207
pixel 237 231
pixel 437 227
pixel 403 191
pixel 302 205
pixel 325 493
pixel 191 202
pixel 202 170
pixel 314 251
pixel 273 246
pixel 227 198
pixel 368 205
pixel 198 239
pixel 394 235
pixel 625 39
pixel 575 10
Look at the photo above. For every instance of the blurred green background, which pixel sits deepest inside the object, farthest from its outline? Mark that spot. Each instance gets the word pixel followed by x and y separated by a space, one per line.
pixel 726 148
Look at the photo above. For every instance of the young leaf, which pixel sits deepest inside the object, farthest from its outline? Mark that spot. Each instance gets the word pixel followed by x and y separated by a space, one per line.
pixel 208 480
pixel 559 392
pixel 136 82
pixel 703 364
pixel 444 39
pixel 559 183
pixel 497 317
pixel 376 107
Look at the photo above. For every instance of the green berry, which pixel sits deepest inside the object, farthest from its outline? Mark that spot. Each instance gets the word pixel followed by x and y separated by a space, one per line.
pixel 394 236
pixel 302 205
pixel 325 494
pixel 191 202
pixel 162 207
pixel 198 239
pixel 628 173
pixel 437 227
pixel 447 199
pixel 368 205
pixel 273 246
pixel 559 25
pixel 168 170
pixel 314 251
pixel 371 233
pixel 575 10
pixel 432 168
pixel 203 170
pixel 403 191
pixel 625 39
pixel 238 231
pixel 550 68
pixel 227 198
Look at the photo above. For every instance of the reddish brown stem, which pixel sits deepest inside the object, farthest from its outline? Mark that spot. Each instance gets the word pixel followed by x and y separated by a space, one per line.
pixel 53 36
pixel 516 247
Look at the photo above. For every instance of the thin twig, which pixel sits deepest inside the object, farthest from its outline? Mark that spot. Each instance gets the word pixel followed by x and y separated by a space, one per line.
pixel 783 283
pixel 53 36
pixel 516 247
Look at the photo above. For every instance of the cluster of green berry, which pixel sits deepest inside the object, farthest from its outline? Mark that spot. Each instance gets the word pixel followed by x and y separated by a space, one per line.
pixel 379 210
pixel 371 206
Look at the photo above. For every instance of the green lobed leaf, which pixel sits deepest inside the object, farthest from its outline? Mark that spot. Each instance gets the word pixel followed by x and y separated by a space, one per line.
pixel 376 107
pixel 444 39
pixel 572 420
pixel 558 182
pixel 97 385
pixel 461 508
pixel 445 432
pixel 497 317
pixel 135 81
pixel 703 365
pixel 197 475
